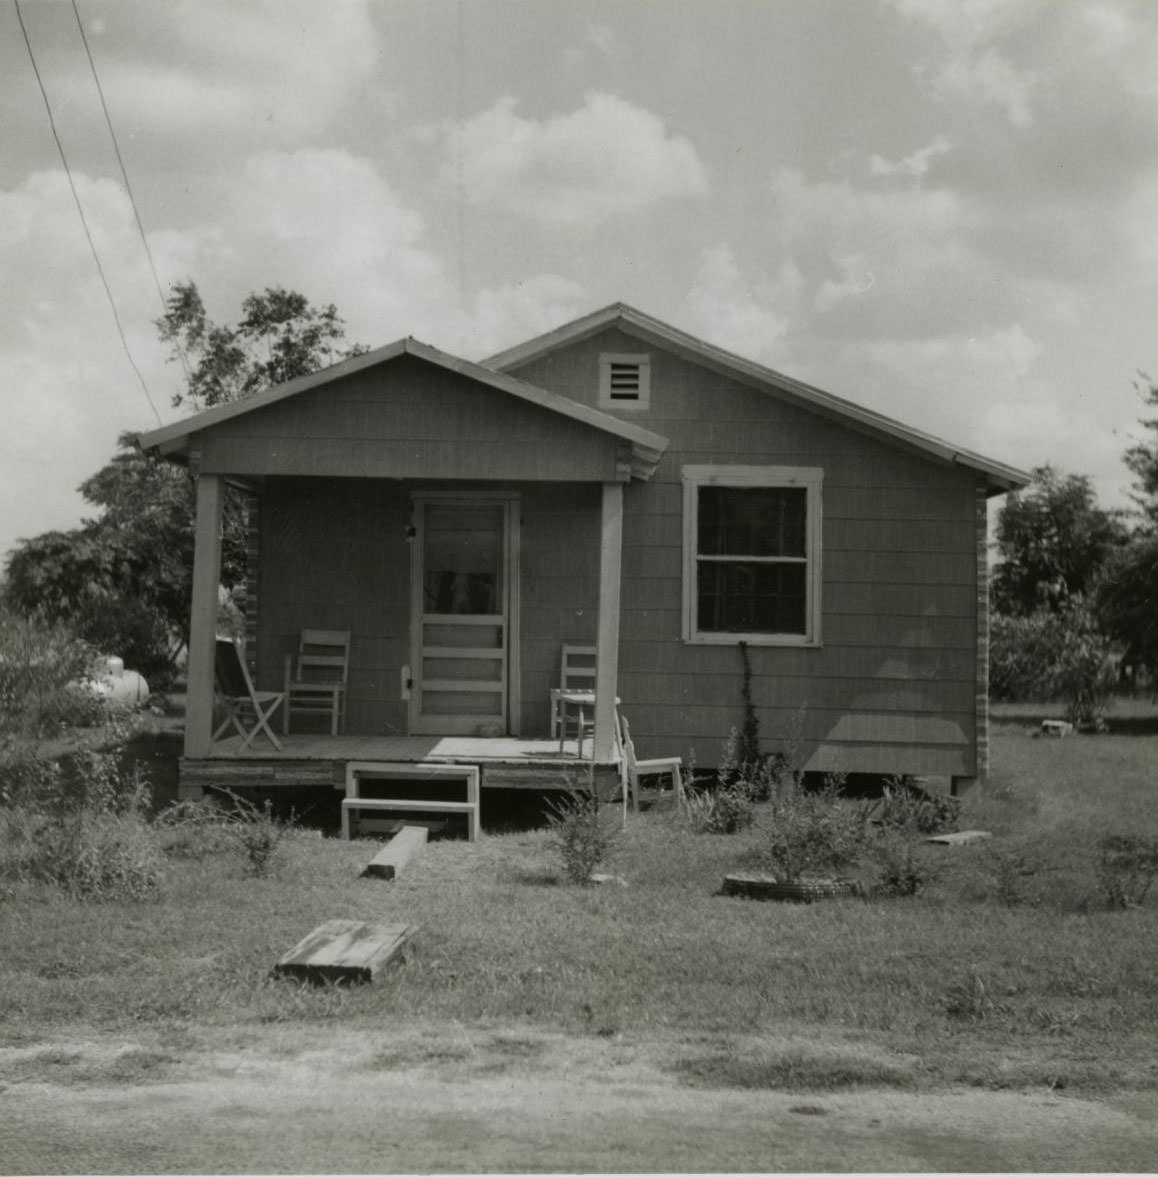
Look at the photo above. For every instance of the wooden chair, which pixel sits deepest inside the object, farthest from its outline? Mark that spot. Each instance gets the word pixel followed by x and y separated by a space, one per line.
pixel 315 683
pixel 576 691
pixel 249 710
pixel 634 769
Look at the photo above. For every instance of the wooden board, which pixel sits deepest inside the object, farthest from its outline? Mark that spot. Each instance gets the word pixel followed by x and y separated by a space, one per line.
pixel 958 837
pixel 406 845
pixel 344 951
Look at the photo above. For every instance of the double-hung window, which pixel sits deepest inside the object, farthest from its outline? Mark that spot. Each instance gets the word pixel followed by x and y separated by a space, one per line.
pixel 752 554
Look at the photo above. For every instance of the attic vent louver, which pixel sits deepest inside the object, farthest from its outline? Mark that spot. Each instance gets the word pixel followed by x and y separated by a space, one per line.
pixel 624 381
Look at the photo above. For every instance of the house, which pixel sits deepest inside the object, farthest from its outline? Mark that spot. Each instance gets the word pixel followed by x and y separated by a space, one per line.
pixel 617 483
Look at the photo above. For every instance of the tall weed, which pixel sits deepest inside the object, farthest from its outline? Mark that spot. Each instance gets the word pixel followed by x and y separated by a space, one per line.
pixel 580 835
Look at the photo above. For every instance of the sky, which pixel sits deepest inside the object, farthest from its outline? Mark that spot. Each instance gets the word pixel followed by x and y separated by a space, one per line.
pixel 944 210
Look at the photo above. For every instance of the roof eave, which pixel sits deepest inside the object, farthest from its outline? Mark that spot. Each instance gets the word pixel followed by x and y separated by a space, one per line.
pixel 1000 478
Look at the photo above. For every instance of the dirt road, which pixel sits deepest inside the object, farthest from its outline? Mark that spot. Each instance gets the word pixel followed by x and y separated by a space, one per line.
pixel 278 1099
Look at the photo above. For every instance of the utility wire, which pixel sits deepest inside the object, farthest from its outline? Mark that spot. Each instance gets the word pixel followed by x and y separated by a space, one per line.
pixel 80 211
pixel 125 176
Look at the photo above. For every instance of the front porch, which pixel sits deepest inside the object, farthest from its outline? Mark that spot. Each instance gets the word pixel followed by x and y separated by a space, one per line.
pixel 308 760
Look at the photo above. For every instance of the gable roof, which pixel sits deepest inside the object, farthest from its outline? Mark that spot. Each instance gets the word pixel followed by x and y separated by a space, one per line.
pixel 999 477
pixel 646 447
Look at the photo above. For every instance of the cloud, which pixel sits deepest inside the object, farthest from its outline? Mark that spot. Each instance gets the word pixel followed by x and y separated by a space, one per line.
pixel 606 158
pixel 278 69
pixel 971 68
pixel 750 320
pixel 915 165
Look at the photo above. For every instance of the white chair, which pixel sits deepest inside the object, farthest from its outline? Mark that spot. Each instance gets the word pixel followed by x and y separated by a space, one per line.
pixel 634 769
pixel 574 698
pixel 315 684
pixel 249 710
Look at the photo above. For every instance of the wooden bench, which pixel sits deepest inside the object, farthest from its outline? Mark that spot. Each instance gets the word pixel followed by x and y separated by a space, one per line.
pixel 357 771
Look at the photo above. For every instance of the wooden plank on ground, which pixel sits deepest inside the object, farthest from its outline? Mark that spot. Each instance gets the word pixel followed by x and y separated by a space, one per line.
pixel 344 951
pixel 957 837
pixel 406 845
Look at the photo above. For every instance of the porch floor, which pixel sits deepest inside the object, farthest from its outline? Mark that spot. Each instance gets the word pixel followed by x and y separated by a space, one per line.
pixel 473 749
pixel 506 762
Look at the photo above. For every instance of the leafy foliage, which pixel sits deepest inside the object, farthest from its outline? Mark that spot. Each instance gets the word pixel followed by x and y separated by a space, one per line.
pixel 1142 458
pixel 122 580
pixel 40 667
pixel 279 337
pixel 1052 539
pixel 1125 602
pixel 1047 655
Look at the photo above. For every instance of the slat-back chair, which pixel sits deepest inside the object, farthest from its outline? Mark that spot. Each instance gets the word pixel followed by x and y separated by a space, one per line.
pixel 315 682
pixel 249 709
pixel 575 695
pixel 634 769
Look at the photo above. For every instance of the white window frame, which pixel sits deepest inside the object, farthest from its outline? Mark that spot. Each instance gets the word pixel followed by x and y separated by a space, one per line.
pixel 811 478
pixel 643 361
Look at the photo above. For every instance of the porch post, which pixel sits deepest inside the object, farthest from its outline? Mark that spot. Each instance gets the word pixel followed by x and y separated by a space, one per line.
pixel 607 639
pixel 203 615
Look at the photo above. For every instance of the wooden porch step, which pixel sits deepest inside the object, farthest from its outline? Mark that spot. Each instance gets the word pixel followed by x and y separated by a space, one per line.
pixel 470 809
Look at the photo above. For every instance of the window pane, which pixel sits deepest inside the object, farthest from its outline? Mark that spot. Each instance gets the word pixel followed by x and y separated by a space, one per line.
pixel 462 560
pixel 752 521
pixel 739 597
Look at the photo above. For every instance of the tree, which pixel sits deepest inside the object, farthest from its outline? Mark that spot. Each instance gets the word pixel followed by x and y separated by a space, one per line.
pixel 1053 539
pixel 1127 603
pixel 1142 458
pixel 122 580
pixel 280 336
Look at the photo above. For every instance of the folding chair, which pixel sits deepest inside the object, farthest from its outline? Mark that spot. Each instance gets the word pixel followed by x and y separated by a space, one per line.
pixel 249 710
pixel 315 683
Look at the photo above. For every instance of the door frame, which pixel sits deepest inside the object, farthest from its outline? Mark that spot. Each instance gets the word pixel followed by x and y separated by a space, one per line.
pixel 511 501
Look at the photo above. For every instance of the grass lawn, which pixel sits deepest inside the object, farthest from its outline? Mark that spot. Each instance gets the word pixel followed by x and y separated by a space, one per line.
pixel 1006 971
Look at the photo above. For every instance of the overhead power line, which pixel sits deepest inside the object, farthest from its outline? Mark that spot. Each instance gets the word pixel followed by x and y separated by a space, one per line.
pixel 125 177
pixel 80 211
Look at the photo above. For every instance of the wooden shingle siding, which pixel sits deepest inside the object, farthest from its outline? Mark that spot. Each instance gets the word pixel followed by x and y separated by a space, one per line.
pixel 559 587
pixel 334 556
pixel 893 686
pixel 410 421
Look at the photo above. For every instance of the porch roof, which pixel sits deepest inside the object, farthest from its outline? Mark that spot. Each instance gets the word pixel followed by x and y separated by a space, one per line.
pixel 642 448
pixel 998 477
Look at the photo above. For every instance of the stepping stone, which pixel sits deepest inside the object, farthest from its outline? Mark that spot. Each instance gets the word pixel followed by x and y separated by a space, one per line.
pixel 344 951
pixel 406 845
pixel 957 837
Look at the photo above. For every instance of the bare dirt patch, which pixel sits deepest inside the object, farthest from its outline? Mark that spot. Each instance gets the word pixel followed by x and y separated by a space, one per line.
pixel 495 1098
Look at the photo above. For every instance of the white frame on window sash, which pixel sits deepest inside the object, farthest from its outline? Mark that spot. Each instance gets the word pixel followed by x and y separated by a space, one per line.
pixel 811 478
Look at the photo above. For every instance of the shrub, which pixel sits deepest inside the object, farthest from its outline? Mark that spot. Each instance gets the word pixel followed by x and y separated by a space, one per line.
pixel 39 667
pixel 94 843
pixel 193 829
pixel 579 834
pixel 899 871
pixel 721 809
pixel 1127 865
pixel 906 807
pixel 812 832
pixel 94 854
pixel 1008 871
pixel 258 832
